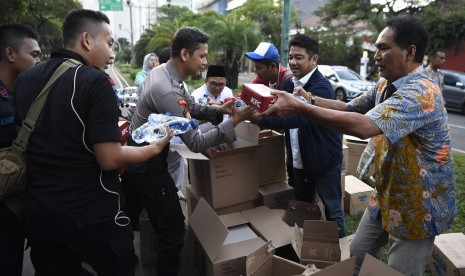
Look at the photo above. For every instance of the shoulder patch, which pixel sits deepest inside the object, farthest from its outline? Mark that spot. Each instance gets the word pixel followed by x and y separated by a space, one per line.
pixel 4 93
pixel 182 102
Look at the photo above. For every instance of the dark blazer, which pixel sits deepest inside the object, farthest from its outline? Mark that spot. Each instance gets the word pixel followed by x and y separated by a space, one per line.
pixel 320 147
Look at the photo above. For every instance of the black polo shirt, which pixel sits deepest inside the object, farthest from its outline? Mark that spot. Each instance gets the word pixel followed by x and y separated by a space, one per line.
pixel 65 180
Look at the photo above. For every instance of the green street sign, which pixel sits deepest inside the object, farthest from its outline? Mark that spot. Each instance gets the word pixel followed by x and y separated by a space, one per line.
pixel 110 5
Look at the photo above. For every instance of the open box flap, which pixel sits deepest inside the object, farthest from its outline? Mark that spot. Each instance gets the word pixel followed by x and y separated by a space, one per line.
pixel 208 228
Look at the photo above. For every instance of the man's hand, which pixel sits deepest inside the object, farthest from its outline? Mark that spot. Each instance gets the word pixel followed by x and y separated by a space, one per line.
pixel 226 108
pixel 256 117
pixel 240 114
pixel 299 90
pixel 161 143
pixel 285 104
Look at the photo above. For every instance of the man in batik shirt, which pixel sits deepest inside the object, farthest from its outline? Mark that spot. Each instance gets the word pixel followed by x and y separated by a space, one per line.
pixel 414 199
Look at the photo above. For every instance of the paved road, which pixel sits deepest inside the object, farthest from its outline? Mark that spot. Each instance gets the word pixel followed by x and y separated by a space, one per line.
pixel 457 131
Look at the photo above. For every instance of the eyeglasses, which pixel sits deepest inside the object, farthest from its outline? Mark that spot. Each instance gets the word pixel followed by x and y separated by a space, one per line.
pixel 217 85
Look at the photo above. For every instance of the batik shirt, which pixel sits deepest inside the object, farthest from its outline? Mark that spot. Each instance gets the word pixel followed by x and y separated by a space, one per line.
pixel 415 181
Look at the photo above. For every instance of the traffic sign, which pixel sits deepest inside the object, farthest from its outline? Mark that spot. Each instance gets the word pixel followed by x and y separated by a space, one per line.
pixel 111 5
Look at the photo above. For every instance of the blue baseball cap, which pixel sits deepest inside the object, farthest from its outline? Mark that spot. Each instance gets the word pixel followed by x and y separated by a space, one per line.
pixel 265 50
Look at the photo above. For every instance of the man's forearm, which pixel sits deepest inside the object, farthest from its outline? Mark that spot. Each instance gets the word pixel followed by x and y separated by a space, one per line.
pixel 330 104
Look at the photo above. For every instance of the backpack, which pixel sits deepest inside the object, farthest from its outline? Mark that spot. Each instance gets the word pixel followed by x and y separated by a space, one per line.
pixel 12 159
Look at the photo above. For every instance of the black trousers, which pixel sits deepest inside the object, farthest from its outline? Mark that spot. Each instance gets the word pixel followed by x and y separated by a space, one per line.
pixel 159 195
pixel 58 246
pixel 11 243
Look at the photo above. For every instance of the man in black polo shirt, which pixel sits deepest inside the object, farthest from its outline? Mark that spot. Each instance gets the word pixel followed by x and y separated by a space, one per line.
pixel 19 50
pixel 73 155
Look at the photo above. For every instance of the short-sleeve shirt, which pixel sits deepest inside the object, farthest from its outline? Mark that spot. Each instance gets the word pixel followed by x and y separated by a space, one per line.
pixel 415 181
pixel 65 179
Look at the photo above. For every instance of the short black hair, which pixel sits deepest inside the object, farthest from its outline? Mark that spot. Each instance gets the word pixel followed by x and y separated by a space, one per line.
pixel 164 55
pixel 79 21
pixel 434 52
pixel 188 38
pixel 409 31
pixel 12 34
pixel 310 45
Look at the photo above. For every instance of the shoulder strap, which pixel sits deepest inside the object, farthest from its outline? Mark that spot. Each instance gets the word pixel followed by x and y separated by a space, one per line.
pixel 20 143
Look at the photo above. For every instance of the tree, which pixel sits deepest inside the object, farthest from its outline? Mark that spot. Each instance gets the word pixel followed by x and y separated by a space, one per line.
pixel 230 38
pixel 445 28
pixel 443 19
pixel 44 16
pixel 268 13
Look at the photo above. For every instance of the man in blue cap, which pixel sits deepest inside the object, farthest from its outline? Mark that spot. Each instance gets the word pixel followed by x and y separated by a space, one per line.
pixel 272 74
pixel 266 62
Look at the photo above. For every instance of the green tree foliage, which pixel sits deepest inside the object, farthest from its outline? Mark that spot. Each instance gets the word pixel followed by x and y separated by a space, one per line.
pixel 230 36
pixel 446 27
pixel 268 13
pixel 443 19
pixel 45 16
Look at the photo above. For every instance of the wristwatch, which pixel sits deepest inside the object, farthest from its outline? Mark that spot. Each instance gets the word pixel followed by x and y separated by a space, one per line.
pixel 311 98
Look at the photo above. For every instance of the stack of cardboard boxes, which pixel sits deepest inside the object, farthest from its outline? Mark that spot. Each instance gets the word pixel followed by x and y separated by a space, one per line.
pixel 235 207
pixel 356 192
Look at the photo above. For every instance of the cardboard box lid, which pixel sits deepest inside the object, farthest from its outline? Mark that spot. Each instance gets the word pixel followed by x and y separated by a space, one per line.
pixel 209 229
pixel 321 231
pixel 246 137
pixel 256 259
pixel 372 266
pixel 344 268
pixel 298 211
pixel 233 219
pixel 270 225
pixel 273 188
pixel 452 245
pixel 355 185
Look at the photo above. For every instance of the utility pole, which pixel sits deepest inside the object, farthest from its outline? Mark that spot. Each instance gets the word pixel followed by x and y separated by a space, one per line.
pixel 285 32
pixel 132 33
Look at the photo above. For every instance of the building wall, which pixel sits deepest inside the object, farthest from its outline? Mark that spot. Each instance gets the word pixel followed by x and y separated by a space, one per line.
pixel 455 61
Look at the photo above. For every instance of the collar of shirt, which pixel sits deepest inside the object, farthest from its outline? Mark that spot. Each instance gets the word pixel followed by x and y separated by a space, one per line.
pixel 403 80
pixel 302 81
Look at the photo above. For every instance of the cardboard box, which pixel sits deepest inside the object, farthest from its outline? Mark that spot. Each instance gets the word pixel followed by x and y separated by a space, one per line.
pixel 356 148
pixel 276 195
pixel 277 266
pixel 344 268
pixel 192 198
pixel 448 256
pixel 357 195
pixel 298 211
pixel 230 177
pixel 228 240
pixel 271 160
pixel 372 266
pixel 317 243
pixel 257 96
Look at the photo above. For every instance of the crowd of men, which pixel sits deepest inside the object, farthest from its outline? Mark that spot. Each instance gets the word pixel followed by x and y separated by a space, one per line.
pixel 74 212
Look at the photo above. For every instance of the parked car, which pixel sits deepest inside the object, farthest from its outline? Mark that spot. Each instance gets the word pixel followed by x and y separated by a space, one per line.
pixel 347 84
pixel 454 90
pixel 127 95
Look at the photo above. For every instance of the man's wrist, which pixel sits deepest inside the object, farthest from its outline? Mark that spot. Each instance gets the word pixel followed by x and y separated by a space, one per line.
pixel 311 98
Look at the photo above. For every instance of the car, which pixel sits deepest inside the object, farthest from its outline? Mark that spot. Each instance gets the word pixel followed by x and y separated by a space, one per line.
pixel 454 90
pixel 127 95
pixel 347 84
